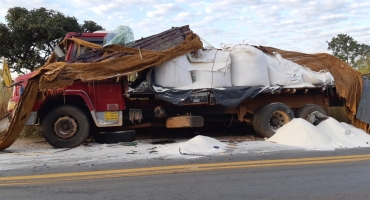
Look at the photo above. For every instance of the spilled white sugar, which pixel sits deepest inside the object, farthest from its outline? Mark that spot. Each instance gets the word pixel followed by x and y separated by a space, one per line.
pixel 329 134
pixel 300 132
pixel 296 135
pixel 201 145
pixel 31 153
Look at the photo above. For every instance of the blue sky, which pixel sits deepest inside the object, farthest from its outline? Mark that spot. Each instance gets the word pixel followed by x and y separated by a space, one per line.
pixel 297 25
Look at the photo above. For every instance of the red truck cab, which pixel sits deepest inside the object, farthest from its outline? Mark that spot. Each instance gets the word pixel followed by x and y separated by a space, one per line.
pixel 67 114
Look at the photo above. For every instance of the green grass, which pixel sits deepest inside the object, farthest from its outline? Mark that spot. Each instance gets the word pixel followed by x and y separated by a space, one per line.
pixel 31 132
pixel 5 95
pixel 339 114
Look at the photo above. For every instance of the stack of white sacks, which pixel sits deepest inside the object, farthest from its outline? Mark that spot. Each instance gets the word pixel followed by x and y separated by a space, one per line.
pixel 235 65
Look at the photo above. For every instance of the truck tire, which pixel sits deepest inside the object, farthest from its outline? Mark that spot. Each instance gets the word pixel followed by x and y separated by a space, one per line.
pixel 267 119
pixel 66 126
pixel 115 137
pixel 304 111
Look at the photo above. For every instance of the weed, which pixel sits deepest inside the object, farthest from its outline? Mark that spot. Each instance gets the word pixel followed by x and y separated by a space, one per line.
pixel 339 113
pixel 31 132
pixel 5 95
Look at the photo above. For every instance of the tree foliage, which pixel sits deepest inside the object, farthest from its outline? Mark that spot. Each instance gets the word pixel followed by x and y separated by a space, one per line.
pixel 363 64
pixel 90 26
pixel 29 37
pixel 347 49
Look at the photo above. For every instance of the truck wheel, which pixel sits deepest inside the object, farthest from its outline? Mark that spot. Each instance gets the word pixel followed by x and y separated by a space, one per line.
pixel 269 118
pixel 65 127
pixel 306 110
pixel 115 137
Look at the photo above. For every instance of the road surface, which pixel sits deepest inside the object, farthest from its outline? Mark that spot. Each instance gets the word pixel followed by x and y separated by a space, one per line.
pixel 343 174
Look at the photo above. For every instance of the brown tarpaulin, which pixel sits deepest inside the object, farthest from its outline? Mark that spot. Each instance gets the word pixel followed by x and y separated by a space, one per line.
pixel 348 82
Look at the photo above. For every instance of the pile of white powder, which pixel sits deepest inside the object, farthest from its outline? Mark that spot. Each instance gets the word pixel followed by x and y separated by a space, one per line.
pixel 199 145
pixel 329 134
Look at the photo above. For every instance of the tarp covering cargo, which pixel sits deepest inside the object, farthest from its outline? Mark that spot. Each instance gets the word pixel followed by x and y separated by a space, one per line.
pixel 348 82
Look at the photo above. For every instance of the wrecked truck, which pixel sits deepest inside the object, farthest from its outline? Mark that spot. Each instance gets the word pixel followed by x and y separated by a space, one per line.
pixel 169 79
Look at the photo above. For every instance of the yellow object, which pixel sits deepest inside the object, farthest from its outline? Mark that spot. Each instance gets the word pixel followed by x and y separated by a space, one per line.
pixel 6 74
pixel 11 105
pixel 111 116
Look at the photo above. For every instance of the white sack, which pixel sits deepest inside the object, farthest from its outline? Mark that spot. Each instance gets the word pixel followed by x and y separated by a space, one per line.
pixel 282 71
pixel 214 79
pixel 248 66
pixel 288 73
pixel 174 73
pixel 209 60
pixel 315 78
pixel 210 68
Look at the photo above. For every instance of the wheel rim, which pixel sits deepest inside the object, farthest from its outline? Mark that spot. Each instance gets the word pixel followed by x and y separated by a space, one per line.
pixel 278 119
pixel 307 116
pixel 65 127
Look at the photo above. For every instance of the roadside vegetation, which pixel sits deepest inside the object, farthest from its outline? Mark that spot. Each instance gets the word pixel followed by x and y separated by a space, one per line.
pixel 5 95
pixel 339 113
pixel 27 45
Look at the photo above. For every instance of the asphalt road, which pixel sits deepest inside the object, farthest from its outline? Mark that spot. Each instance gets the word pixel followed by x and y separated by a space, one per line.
pixel 343 174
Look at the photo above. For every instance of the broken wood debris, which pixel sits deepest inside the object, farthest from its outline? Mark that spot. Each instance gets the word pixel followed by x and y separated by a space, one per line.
pixel 159 42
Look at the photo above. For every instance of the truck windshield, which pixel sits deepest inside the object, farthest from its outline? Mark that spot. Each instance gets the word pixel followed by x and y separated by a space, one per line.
pixel 77 50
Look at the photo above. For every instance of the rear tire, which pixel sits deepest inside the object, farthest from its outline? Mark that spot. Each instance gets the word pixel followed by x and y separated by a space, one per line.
pixel 66 126
pixel 269 118
pixel 306 110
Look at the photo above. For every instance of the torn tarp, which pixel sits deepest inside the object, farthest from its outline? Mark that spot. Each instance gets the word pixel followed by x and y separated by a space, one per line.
pixel 229 97
pixel 174 96
pixel 348 81
pixel 233 96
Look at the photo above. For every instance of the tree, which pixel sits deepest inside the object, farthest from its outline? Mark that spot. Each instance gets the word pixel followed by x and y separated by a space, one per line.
pixel 363 64
pixel 90 26
pixel 347 49
pixel 29 37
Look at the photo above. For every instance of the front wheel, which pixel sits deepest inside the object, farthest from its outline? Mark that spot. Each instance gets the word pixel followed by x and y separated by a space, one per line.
pixel 268 119
pixel 66 127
